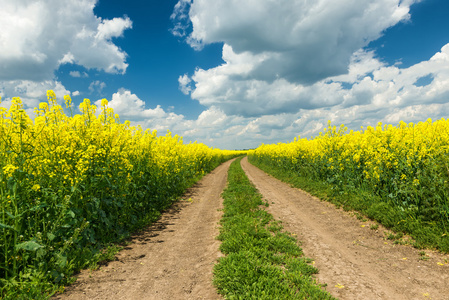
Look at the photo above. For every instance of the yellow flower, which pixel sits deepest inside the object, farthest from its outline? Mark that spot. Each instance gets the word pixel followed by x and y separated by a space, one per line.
pixel 9 170
pixel 68 101
pixel 43 106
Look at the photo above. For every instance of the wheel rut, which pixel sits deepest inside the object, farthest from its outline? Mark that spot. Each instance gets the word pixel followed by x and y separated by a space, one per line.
pixel 172 259
pixel 354 261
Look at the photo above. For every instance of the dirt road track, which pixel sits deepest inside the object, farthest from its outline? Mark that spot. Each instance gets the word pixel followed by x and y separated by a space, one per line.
pixel 173 259
pixel 355 262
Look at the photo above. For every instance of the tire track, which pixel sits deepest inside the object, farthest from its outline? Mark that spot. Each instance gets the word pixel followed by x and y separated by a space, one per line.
pixel 172 259
pixel 354 261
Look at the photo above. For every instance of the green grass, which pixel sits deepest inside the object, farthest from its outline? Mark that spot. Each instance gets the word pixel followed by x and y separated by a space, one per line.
pixel 33 283
pixel 72 187
pixel 425 234
pixel 262 261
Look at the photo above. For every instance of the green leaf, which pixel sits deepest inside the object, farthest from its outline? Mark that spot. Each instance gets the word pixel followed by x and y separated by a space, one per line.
pixel 57 276
pixel 61 260
pixel 7 226
pixel 51 236
pixel 12 216
pixel 29 246
pixel 37 207
pixel 40 253
pixel 71 213
pixel 12 185
pixel 9 214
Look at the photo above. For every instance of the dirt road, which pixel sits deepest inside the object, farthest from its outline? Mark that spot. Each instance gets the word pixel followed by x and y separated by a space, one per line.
pixel 172 259
pixel 355 261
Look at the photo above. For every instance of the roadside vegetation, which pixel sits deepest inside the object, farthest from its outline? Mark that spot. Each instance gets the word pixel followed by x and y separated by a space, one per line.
pixel 395 175
pixel 73 185
pixel 262 261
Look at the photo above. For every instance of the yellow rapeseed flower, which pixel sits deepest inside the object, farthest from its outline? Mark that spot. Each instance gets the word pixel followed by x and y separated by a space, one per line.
pixel 9 169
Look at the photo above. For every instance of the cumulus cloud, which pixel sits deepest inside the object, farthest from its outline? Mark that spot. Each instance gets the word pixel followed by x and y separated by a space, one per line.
pixel 212 117
pixel 184 84
pixel 31 93
pixel 212 126
pixel 300 41
pixel 130 106
pixel 108 29
pixel 38 36
pixel 284 58
pixel 245 113
pixel 371 92
pixel 290 66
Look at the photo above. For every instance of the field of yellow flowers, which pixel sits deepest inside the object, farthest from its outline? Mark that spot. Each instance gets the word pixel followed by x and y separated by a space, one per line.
pixel 397 175
pixel 69 184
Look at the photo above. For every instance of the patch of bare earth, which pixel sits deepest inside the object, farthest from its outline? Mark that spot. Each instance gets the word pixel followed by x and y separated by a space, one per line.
pixel 354 261
pixel 172 259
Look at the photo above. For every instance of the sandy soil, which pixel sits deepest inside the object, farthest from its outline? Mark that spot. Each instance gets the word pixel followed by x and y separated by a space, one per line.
pixel 173 259
pixel 354 261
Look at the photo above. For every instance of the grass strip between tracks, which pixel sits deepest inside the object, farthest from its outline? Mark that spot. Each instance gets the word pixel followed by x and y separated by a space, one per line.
pixel 262 261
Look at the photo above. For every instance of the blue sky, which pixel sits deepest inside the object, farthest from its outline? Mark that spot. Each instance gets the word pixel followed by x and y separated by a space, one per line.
pixel 233 74
pixel 156 57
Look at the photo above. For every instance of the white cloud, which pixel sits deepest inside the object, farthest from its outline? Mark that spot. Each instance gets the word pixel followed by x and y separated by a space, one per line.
pixel 97 86
pixel 38 36
pixel 78 74
pixel 184 84
pixel 75 74
pixel 280 57
pixel 31 93
pixel 180 18
pixel 301 41
pixel 212 117
pixel 290 66
pixel 68 58
pixel 228 87
pixel 375 94
pixel 274 112
pixel 108 29
pixel 370 93
pixel 130 106
pixel 212 126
